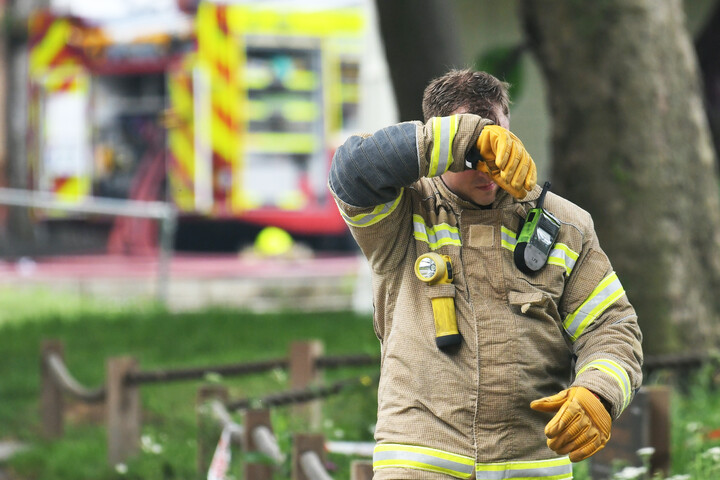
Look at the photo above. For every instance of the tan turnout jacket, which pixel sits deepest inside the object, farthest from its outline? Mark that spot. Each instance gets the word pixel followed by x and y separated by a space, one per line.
pixel 467 412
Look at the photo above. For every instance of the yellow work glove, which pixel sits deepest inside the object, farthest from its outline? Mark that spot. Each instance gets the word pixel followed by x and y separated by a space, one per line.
pixel 506 160
pixel 581 426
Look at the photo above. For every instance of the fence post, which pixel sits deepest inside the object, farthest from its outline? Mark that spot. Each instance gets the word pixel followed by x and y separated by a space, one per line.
pixel 251 420
pixel 361 470
pixel 645 423
pixel 303 374
pixel 305 442
pixel 207 427
pixel 659 396
pixel 123 410
pixel 51 396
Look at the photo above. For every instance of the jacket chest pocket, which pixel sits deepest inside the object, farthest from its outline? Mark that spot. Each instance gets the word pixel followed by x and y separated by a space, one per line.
pixel 535 297
pixel 540 316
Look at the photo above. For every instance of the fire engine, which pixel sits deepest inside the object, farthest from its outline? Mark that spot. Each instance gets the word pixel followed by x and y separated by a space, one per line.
pixel 228 111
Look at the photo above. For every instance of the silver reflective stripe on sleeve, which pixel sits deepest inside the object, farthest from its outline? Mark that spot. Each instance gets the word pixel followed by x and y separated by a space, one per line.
pixel 605 294
pixel 378 213
pixel 614 370
pixel 392 455
pixel 444 129
pixel 553 469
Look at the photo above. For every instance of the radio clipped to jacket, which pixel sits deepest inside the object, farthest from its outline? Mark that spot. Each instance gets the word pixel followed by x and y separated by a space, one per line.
pixel 537 237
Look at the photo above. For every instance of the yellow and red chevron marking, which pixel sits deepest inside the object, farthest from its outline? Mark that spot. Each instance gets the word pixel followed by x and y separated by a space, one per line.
pixel 69 78
pixel 71 189
pixel 50 44
pixel 181 172
pixel 221 55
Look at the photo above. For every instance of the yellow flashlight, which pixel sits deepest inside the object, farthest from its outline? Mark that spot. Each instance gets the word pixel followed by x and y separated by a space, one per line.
pixel 433 268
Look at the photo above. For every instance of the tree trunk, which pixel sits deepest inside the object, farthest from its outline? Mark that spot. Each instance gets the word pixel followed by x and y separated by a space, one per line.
pixel 631 145
pixel 706 46
pixel 421 43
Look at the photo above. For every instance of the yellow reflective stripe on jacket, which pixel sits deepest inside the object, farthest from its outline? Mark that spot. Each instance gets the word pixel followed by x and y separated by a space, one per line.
pixel 378 213
pixel 553 469
pixel 508 238
pixel 444 129
pixel 561 255
pixel 393 455
pixel 617 372
pixel 604 295
pixel 437 235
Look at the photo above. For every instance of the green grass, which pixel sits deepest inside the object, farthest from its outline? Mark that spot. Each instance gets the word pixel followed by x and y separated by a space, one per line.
pixel 92 332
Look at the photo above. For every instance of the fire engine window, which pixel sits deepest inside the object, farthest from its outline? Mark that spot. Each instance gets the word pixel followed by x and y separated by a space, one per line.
pixel 283 89
pixel 128 139
pixel 285 110
pixel 350 81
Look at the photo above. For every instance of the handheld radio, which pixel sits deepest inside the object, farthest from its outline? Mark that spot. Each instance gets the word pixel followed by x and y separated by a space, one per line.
pixel 537 237
pixel 433 268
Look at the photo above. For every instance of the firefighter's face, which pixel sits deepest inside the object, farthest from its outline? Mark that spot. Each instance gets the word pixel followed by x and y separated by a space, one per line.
pixel 474 185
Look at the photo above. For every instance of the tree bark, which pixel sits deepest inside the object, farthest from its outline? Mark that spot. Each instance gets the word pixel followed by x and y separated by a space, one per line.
pixel 631 145
pixel 421 43
pixel 706 46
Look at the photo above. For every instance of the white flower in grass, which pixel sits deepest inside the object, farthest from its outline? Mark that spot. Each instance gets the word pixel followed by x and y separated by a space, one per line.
pixel 693 427
pixel 630 473
pixel 149 445
pixel 280 375
pixel 713 454
pixel 121 468
pixel 213 377
pixel 645 452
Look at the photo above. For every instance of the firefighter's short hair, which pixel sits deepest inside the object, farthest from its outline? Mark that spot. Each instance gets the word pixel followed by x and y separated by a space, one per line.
pixel 479 92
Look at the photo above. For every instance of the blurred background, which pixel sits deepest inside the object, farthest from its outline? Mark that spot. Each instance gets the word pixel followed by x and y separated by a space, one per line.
pixel 163 168
pixel 157 140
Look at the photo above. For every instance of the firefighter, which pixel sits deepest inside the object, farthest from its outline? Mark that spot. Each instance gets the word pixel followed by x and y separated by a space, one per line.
pixel 540 362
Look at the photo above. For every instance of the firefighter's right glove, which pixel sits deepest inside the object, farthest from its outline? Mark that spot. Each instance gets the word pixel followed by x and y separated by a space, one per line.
pixel 505 159
pixel 581 426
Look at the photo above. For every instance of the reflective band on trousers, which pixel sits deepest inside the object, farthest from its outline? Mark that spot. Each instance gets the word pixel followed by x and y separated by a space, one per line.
pixel 444 129
pixel 393 455
pixel 553 469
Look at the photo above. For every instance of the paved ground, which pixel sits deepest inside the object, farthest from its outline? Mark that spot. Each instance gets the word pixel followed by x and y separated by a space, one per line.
pixel 195 281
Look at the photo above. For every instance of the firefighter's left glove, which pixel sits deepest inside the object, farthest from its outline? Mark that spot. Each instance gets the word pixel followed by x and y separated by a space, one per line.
pixel 581 426
pixel 505 159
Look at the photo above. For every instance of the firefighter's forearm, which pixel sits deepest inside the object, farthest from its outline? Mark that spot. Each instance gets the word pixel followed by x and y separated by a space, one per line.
pixel 369 171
